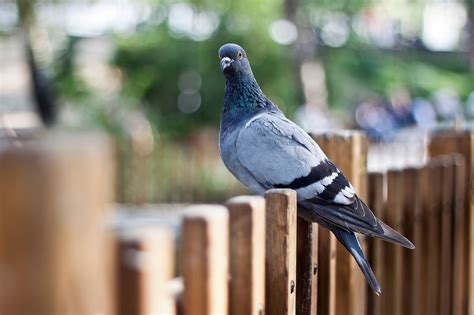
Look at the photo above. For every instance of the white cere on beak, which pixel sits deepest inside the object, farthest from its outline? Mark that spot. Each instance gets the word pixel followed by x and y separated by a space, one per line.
pixel 225 62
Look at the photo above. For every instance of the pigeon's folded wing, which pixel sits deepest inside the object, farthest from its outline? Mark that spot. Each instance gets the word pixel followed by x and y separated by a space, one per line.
pixel 279 154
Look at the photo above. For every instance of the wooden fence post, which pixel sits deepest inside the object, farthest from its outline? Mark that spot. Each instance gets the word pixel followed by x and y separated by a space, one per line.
pixel 392 296
pixel 326 292
pixel 410 210
pixel 434 231
pixel 348 151
pixel 467 150
pixel 424 248
pixel 204 260
pixel 145 264
pixel 416 237
pixel 376 201
pixel 462 142
pixel 280 259
pixel 446 215
pixel 460 297
pixel 247 255
pixel 56 255
pixel 306 267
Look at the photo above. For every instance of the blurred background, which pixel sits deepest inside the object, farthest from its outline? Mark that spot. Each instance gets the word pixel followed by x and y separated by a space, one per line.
pixel 147 73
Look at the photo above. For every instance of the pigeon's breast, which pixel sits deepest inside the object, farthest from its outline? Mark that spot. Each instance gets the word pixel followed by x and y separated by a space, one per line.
pixel 227 148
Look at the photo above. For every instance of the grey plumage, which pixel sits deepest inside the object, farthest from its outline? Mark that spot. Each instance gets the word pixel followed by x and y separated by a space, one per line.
pixel 263 150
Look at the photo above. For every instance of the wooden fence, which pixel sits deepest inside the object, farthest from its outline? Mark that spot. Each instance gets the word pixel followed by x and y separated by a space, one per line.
pixel 63 250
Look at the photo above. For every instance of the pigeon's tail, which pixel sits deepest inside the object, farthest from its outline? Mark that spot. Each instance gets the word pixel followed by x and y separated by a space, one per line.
pixel 393 236
pixel 350 242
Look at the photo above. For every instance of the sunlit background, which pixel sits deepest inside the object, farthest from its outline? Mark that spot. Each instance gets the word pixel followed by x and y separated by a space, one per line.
pixel 147 72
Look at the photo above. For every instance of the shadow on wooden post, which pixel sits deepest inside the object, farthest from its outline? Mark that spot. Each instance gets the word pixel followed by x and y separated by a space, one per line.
pixel 417 239
pixel 410 208
pixel 306 267
pixel 247 255
pixel 280 262
pixel 204 258
pixel 56 255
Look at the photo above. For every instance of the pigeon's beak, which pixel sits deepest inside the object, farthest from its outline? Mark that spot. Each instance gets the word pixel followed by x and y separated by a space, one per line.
pixel 226 63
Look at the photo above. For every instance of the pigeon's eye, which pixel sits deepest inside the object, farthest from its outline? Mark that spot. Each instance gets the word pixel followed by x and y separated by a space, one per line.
pixel 239 55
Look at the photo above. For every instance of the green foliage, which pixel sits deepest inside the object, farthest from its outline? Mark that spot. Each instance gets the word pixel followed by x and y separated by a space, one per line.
pixel 66 80
pixel 153 59
pixel 358 74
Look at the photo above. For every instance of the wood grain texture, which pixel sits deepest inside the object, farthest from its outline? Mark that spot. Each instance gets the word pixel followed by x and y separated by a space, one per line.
pixel 56 255
pixel 280 262
pixel 247 255
pixel 145 259
pixel 204 260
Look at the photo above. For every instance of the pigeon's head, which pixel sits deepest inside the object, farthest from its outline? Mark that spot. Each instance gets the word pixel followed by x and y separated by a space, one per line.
pixel 234 61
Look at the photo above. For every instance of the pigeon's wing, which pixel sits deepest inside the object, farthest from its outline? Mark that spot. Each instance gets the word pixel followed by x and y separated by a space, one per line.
pixel 279 154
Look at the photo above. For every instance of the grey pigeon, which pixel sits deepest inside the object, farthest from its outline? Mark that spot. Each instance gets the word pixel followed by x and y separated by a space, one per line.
pixel 263 149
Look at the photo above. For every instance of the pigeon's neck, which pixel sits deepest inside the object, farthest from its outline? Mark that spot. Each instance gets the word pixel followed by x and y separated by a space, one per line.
pixel 243 98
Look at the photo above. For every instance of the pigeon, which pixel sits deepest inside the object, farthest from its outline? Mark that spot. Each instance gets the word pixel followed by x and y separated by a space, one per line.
pixel 264 150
